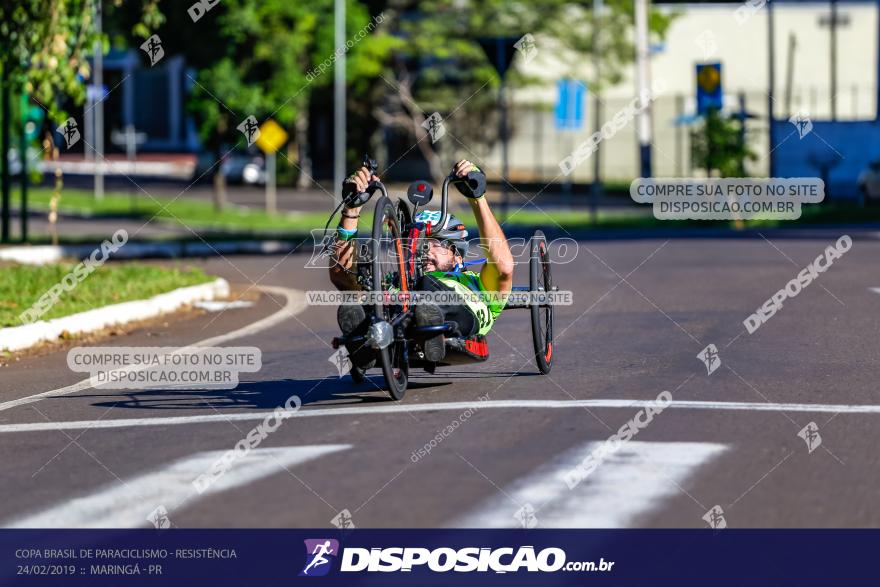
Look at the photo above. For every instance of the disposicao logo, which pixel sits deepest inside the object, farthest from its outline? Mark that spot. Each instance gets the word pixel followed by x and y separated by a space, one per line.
pixel 320 553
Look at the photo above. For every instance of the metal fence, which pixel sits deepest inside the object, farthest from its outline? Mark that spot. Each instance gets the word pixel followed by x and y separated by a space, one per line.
pixel 537 147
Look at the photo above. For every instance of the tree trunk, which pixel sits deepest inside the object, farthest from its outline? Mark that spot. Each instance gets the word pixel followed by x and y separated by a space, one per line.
pixel 4 152
pixel 302 147
pixel 423 140
pixel 427 149
pixel 406 114
pixel 219 186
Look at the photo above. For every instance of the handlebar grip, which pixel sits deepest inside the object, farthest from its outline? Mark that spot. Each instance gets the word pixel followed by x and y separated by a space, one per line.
pixel 473 185
pixel 354 200
pixel 477 182
pixel 370 164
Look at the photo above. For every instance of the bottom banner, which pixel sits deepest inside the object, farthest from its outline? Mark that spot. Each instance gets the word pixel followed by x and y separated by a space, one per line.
pixel 436 557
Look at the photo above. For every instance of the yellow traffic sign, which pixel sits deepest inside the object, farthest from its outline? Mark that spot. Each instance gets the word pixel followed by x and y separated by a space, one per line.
pixel 709 77
pixel 710 93
pixel 272 137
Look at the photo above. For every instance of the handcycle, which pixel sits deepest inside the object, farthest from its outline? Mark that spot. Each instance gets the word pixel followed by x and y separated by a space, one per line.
pixel 390 264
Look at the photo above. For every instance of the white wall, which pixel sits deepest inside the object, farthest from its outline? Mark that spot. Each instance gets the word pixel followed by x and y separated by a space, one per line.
pixel 704 33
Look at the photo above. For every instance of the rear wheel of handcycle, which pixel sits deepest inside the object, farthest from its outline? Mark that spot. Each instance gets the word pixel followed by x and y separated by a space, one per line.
pixel 540 281
pixel 389 275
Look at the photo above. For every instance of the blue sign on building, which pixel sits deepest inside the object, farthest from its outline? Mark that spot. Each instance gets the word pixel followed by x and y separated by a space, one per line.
pixel 710 94
pixel 570 109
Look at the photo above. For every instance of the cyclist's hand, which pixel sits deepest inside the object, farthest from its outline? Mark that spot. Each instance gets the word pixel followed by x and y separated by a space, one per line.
pixel 361 179
pixel 463 167
pixel 474 185
pixel 357 184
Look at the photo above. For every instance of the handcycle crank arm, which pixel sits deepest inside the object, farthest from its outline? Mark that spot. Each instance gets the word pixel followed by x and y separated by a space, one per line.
pixel 445 328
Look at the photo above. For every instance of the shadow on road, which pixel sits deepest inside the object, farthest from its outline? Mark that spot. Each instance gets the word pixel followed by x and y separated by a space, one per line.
pixel 267 395
pixel 261 395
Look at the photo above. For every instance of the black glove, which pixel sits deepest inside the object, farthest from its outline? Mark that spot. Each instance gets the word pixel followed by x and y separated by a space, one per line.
pixel 473 185
pixel 351 197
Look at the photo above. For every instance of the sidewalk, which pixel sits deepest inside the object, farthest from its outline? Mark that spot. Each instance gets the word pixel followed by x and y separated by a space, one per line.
pixel 319 197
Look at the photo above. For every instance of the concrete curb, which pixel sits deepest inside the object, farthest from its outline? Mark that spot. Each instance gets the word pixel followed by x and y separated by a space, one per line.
pixel 21 337
pixel 819 232
pixel 42 254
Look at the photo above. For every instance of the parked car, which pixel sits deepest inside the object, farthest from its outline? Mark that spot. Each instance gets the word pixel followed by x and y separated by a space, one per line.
pixel 869 183
pixel 34 160
pixel 239 167
pixel 244 168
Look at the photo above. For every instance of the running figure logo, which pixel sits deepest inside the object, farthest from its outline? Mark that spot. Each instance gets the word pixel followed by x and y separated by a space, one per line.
pixel 343 520
pixel 715 518
pixel 802 122
pixel 706 42
pixel 250 129
pixel 153 48
pixel 526 46
pixel 810 434
pixel 526 516
pixel 69 131
pixel 341 361
pixel 710 358
pixel 320 553
pixel 434 125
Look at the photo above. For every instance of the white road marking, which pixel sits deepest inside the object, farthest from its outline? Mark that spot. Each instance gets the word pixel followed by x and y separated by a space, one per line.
pixel 394 408
pixel 215 306
pixel 127 505
pixel 294 304
pixel 629 484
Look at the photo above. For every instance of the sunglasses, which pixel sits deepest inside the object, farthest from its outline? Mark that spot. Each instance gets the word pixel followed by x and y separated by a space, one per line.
pixel 438 244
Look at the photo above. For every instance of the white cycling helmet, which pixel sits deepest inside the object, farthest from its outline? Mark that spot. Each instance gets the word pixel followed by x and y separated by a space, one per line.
pixel 453 229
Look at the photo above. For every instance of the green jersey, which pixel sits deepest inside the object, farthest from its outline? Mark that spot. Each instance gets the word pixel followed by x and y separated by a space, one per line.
pixel 484 306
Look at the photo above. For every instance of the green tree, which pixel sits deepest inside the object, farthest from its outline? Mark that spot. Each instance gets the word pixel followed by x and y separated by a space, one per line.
pixel 46 44
pixel 44 50
pixel 720 144
pixel 615 42
pixel 264 59
pixel 442 68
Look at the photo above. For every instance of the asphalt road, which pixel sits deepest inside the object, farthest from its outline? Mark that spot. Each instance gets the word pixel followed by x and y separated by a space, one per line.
pixel 642 311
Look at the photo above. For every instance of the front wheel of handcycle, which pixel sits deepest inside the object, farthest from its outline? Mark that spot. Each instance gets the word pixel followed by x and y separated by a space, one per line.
pixel 541 282
pixel 390 276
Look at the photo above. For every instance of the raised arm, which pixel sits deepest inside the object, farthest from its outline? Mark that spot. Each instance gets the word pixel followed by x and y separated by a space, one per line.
pixel 497 274
pixel 343 249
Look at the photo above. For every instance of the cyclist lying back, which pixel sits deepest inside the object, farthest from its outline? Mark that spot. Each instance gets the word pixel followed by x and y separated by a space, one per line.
pixel 443 265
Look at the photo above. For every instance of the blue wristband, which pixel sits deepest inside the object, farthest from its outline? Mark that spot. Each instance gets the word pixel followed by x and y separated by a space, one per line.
pixel 344 234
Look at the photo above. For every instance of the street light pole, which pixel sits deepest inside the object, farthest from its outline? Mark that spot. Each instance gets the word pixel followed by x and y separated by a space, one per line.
pixel 596 190
pixel 339 102
pixel 502 99
pixel 4 148
pixel 99 105
pixel 833 59
pixel 643 85
pixel 22 149
pixel 771 85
